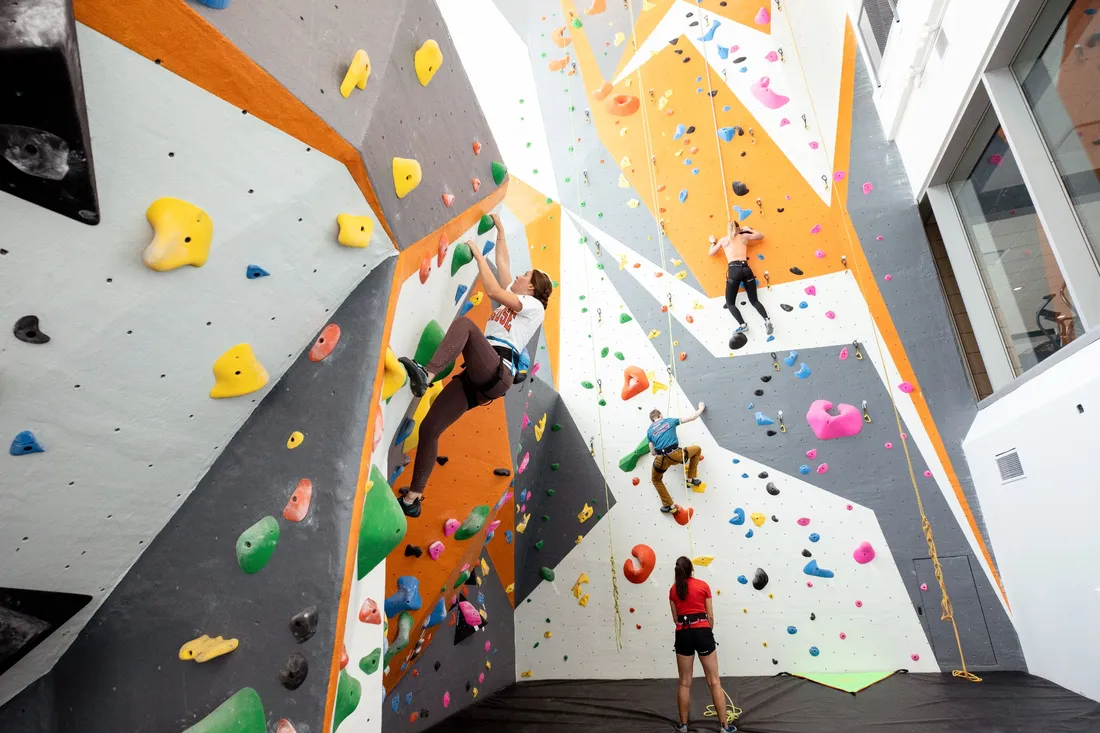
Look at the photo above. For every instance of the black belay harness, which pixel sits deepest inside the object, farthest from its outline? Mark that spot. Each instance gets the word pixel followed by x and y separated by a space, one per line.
pixel 471 390
pixel 684 621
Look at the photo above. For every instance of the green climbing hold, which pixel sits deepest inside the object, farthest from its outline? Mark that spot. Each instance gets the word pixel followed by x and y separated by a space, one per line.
pixel 256 545
pixel 605 351
pixel 587 385
pixel 584 310
pixel 241 713
pixel 555 466
pixel 475 520
pixel 539 545
pixel 486 222
pixel 405 623
pixel 383 525
pixel 546 517
pixel 565 658
pixel 581 297
pixel 348 693
pixel 463 256
pixel 547 574
pixel 499 172
pixel 602 402
pixel 623 317
pixel 429 341
pixel 555 283
pixel 462 578
pixel 536 646
pixel 577 23
pixel 619 355
pixel 555 427
pixel 369 663
pixel 599 265
pixel 549 492
pixel 629 462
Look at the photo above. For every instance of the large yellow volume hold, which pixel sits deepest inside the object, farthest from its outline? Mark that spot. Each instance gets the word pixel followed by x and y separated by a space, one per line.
pixel 394 375
pixel 427 60
pixel 421 412
pixel 406 176
pixel 355 231
pixel 204 648
pixel 182 233
pixel 238 372
pixel 358 73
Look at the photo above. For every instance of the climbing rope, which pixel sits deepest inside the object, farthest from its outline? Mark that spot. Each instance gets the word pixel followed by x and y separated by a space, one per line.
pixel 947 612
pixel 732 711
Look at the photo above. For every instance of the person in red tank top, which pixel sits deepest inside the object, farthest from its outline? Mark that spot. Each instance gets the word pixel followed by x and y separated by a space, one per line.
pixel 693 612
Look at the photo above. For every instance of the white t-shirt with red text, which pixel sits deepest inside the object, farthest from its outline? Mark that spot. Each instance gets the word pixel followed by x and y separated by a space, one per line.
pixel 515 329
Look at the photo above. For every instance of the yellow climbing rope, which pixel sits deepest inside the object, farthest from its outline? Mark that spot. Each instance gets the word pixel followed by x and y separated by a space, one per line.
pixel 947 612
pixel 732 711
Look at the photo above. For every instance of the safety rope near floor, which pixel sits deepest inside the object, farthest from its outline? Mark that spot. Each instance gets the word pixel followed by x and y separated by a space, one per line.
pixel 947 612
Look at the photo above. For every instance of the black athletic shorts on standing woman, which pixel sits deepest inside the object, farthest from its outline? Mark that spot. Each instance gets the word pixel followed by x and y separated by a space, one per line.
pixel 699 640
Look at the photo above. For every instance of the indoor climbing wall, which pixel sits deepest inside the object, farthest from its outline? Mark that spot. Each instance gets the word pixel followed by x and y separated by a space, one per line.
pixel 817 439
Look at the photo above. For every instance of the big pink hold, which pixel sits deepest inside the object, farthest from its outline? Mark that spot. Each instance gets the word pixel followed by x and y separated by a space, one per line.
pixel 864 553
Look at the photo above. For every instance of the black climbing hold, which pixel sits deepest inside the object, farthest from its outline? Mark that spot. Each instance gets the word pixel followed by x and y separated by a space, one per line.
pixel 807 553
pixel 468 686
pixel 771 433
pixel 424 713
pixel 758 392
pixel 674 41
pixel 723 3
pixel 442 460
pixel 813 617
pixel 691 129
pixel 763 474
pixel 740 59
pixel 766 378
pixel 686 59
pixel 738 341
pixel 689 15
pixel 293 672
pixel 740 188
pixel 780 210
pixel 26 329
pixel 772 489
pixel 713 93
pixel 413 551
pixel 775 661
pixel 679 51
pixel 501 472
pixel 787 308
pixel 797 271
pixel 437 666
pixel 775 518
pixel 304 624
pixel 743 153
pixel 693 23
pixel 760 579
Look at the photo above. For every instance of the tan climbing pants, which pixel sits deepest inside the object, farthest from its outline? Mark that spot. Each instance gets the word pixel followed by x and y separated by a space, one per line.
pixel 662 463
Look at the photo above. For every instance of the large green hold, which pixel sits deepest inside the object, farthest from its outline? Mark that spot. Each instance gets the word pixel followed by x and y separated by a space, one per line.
pixel 429 341
pixel 348 693
pixel 405 623
pixel 499 172
pixel 463 256
pixel 257 543
pixel 629 462
pixel 242 713
pixel 462 578
pixel 383 525
pixel 369 663
pixel 475 520
pixel 547 574
pixel 486 223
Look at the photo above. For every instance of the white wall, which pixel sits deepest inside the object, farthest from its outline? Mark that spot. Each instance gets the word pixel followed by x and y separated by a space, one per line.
pixel 1043 527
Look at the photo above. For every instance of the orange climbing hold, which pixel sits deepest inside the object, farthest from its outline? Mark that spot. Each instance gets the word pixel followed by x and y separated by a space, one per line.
pixel 344 656
pixel 325 343
pixel 477 148
pixel 297 506
pixel 285 726
pixel 647 560
pixel 476 182
pixel 601 94
pixel 597 7
pixel 559 64
pixel 683 516
pixel 559 38
pixel 683 355
pixel 634 382
pixel 622 105
pixel 425 269
pixel 448 199
pixel 442 253
pixel 368 612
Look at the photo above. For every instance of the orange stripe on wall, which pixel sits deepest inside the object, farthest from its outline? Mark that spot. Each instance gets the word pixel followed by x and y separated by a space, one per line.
pixel 179 39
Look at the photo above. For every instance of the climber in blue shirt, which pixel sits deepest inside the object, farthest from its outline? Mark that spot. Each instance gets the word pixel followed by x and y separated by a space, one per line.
pixel 664 446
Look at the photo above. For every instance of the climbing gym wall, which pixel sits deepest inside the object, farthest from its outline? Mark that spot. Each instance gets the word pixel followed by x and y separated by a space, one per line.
pixel 816 440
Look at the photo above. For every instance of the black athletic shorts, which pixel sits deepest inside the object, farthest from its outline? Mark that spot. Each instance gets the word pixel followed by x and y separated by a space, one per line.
pixel 699 640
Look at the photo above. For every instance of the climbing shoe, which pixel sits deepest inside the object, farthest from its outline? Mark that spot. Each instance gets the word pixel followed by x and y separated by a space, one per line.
pixel 731 728
pixel 411 510
pixel 768 326
pixel 682 728
pixel 694 482
pixel 743 328
pixel 669 509
pixel 418 376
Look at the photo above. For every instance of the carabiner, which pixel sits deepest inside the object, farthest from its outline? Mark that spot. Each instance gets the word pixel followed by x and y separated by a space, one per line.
pixel 768 280
pixel 866 417
pixel 775 361
pixel 859 354
pixel 782 427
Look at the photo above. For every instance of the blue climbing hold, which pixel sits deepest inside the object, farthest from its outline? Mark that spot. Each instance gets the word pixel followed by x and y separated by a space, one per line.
pixel 803 469
pixel 726 108
pixel 744 475
pixel 466 308
pixel 404 431
pixel 683 195
pixel 694 171
pixel 698 78
pixel 803 304
pixel 254 271
pixel 489 244
pixel 736 460
pixel 743 69
pixel 687 161
pixel 408 698
pixel 742 580
pixel 726 133
pixel 438 614
pixel 461 291
pixel 1090 11
pixel 508 536
pixel 812 569
pixel 814 537
pixel 489 537
pixel 742 214
pixel 750 405
pixel 770 338
pixel 759 257
pixel 724 53
pixel 396 472
pixel 803 371
pixel 792 630
pixel 762 419
pixel 395 702
pixel 814 651
pixel 215 4
pixel 481 599
pixel 789 358
pixel 709 35
pixel 749 534
pixel 405 598
pixel 25 443
pixel 680 130
pixel 738 516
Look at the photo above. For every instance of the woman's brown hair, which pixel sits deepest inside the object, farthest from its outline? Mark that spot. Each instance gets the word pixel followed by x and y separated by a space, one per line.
pixel 543 286
pixel 684 570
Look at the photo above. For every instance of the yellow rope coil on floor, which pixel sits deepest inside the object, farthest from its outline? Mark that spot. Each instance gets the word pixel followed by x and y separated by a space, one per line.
pixel 732 711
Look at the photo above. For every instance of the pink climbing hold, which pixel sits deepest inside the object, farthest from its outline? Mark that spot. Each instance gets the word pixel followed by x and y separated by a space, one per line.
pixel 859 604
pixel 849 507
pixel 811 453
pixel 379 425
pixel 817 230
pixel 924 586
pixel 878 238
pixel 814 145
pixel 864 553
pixel 847 421
pixel 446 699
pixel 868 187
pixel 889 445
pixel 811 290
pixel 766 96
pixel 450 527
pixel 763 17
pixel 526 421
pixel 830 315
pixel 844 353
pixel 469 613
pixel 995 159
pixel 843 636
pixel 481 677
pixel 783 123
pixel 915 657
pixel 771 56
pixel 488 645
pixel 838 176
pixel 905 387
pixel 492 526
pixel 927 473
pixel 535 368
pixel 448 199
pixel 523 463
pixel 888 278
pixel 803 521
pixel 436 549
pixel 284 726
pixel 823 468
pixel 905 436
pixel 819 253
pixel 809 584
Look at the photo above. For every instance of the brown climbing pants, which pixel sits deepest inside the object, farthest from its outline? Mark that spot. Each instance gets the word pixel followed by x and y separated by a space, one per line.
pixel 482 362
pixel 662 463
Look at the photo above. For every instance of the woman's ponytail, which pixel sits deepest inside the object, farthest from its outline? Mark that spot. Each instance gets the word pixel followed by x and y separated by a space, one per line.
pixel 684 570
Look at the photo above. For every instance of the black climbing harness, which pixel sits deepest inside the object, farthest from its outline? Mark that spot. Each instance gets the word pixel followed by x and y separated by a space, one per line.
pixel 509 359
pixel 684 621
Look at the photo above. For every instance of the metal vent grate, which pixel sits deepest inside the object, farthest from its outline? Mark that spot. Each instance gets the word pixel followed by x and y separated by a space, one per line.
pixel 880 17
pixel 1008 463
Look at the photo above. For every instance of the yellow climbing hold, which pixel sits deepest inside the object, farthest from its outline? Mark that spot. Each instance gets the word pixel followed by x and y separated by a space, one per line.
pixel 484 568
pixel 540 428
pixel 511 587
pixel 488 664
pixel 577 590
pixel 238 372
pixel 476 297
pixel 421 411
pixel 204 648
pixel 619 38
pixel 699 488
pixel 406 176
pixel 681 274
pixel 295 439
pixel 583 600
pixel 654 334
pixel 578 540
pixel 526 673
pixel 657 386
pixel 758 519
pixel 625 162
pixel 475 692
pixel 522 526
pixel 547 634
pixel 182 233
pixel 623 183
pixel 647 5
pixel 355 231
pixel 427 60
pixel 633 203
pixel 662 103
pixel 677 263
pixel 703 560
pixel 357 75
pixel 585 514
pixel 622 132
pixel 394 375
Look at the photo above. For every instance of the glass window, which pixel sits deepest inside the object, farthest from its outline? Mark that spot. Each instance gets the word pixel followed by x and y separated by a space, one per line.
pixel 1059 70
pixel 1021 277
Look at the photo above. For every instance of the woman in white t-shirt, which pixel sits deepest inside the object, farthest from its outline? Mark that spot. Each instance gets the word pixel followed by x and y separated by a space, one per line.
pixel 492 358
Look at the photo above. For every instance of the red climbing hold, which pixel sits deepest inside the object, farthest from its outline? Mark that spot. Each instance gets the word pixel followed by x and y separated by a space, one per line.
pixel 634 382
pixel 683 355
pixel 683 516
pixel 425 269
pixel 476 183
pixel 368 612
pixel 297 507
pixel 343 657
pixel 646 559
pixel 285 726
pixel 325 343
pixel 448 199
pixel 635 481
pixel 477 148
pixel 442 254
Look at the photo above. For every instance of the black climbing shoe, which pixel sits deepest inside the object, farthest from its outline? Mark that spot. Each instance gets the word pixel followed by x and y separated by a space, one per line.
pixel 694 482
pixel 411 510
pixel 418 377
pixel 668 509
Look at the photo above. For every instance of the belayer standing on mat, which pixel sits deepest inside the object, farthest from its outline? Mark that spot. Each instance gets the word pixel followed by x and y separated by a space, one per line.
pixel 736 247
pixel 693 613
pixel 492 358
pixel 665 448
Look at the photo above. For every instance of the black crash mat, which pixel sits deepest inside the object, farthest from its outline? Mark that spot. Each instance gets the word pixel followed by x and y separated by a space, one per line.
pixel 1005 702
